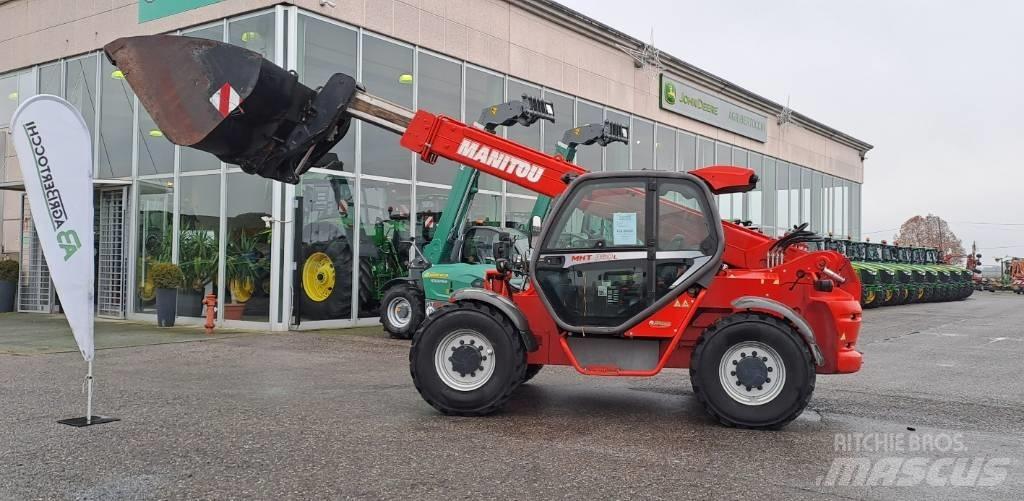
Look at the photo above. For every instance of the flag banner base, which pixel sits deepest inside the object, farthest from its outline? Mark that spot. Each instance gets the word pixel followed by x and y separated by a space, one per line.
pixel 80 422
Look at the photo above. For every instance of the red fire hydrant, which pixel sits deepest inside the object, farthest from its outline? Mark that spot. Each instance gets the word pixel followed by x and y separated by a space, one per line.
pixel 211 311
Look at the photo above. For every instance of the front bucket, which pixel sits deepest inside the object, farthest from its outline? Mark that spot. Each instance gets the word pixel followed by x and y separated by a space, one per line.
pixel 233 103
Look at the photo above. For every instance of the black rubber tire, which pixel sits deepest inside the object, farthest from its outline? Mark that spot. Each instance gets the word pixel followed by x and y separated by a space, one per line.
pixel 337 305
pixel 510 366
pixel 415 298
pixel 892 298
pixel 368 305
pixel 784 339
pixel 531 371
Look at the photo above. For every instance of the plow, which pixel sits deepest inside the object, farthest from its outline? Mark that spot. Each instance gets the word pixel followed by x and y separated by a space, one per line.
pixel 623 274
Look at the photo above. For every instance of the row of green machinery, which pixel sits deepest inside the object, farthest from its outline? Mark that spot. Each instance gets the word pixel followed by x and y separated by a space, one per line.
pixel 894 274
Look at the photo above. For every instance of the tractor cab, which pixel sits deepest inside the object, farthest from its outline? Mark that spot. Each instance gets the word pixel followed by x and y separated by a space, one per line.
pixel 622 245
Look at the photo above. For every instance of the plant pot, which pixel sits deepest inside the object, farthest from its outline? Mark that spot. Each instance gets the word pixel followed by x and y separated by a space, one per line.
pixel 233 311
pixel 190 303
pixel 7 291
pixel 166 307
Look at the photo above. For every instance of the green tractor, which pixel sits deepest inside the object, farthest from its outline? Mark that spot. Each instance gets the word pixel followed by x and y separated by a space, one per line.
pixel 327 248
pixel 460 254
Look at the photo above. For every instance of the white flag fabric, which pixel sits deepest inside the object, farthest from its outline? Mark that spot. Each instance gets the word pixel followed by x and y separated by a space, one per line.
pixel 55 151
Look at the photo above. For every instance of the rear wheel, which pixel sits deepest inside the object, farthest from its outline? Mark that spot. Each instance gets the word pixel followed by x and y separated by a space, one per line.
pixel 752 370
pixel 870 298
pixel 326 280
pixel 402 311
pixel 466 360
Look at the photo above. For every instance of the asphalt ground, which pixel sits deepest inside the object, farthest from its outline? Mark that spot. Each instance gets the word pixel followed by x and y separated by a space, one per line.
pixel 940 401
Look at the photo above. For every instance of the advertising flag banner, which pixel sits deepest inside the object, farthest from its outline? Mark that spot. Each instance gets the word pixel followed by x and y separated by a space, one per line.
pixel 55 152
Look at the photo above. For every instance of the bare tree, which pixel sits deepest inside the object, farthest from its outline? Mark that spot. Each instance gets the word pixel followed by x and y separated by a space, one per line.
pixel 932 231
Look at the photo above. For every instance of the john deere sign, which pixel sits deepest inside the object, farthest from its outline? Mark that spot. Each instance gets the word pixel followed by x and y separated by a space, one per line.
pixel 687 101
pixel 155 9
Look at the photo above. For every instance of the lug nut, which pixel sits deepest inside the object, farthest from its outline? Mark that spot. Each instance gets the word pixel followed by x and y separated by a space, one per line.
pixel 769 369
pixel 767 379
pixel 733 373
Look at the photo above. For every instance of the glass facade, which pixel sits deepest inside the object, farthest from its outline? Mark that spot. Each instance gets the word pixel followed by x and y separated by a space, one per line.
pixel 353 224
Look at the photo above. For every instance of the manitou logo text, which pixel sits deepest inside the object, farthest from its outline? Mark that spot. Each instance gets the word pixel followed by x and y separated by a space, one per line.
pixel 500 160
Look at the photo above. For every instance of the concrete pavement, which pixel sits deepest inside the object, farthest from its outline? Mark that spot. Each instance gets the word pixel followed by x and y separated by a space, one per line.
pixel 334 414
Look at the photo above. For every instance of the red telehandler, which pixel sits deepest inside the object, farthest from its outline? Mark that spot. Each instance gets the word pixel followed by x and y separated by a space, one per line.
pixel 633 272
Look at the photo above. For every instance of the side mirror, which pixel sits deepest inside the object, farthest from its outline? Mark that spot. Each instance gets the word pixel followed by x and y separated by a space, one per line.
pixel 535 225
pixel 503 247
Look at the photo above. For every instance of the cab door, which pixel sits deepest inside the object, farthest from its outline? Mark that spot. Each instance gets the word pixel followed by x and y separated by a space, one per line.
pixel 620 246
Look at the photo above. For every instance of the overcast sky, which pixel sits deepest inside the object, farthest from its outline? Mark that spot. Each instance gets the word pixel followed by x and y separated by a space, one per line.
pixel 937 87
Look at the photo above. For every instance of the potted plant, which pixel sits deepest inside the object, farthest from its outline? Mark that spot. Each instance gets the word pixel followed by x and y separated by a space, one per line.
pixel 198 262
pixel 166 281
pixel 245 266
pixel 8 284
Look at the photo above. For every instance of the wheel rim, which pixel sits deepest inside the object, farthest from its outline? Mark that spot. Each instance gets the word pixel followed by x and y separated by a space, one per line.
pixel 871 297
pixel 888 295
pixel 752 373
pixel 464 360
pixel 318 276
pixel 399 312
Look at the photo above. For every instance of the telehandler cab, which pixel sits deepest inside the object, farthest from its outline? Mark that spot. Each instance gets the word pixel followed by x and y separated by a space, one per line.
pixel 633 272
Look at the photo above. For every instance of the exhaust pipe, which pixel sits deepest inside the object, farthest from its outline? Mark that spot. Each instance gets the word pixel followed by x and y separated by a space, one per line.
pixel 233 103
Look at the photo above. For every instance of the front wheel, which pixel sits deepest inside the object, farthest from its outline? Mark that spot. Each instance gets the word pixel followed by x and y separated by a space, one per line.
pixel 531 371
pixel 752 370
pixel 467 359
pixel 402 311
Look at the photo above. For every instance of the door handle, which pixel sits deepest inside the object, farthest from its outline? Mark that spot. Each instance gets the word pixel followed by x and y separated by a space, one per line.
pixel 553 261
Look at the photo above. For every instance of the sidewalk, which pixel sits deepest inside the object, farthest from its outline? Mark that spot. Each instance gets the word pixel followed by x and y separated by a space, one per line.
pixel 35 333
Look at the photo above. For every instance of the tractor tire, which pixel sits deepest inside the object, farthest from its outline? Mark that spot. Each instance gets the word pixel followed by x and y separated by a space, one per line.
pixel 325 274
pixel 368 305
pixel 871 299
pixel 889 297
pixel 531 371
pixel 780 371
pixel 454 345
pixel 402 310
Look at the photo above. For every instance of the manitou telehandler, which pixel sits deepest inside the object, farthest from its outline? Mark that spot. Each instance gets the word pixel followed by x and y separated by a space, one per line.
pixel 633 272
